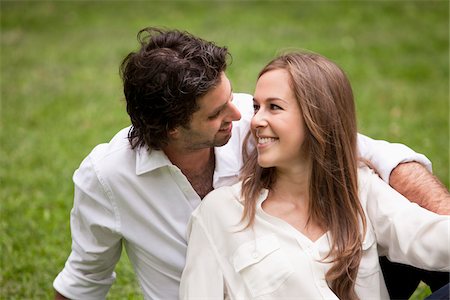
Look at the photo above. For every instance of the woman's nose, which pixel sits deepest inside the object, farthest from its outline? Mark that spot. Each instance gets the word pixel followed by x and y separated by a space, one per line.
pixel 259 119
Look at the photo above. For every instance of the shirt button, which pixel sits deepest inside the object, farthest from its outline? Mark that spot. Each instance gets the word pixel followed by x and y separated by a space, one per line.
pixel 255 255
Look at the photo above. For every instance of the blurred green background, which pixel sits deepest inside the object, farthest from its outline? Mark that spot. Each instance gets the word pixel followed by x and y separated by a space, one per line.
pixel 61 95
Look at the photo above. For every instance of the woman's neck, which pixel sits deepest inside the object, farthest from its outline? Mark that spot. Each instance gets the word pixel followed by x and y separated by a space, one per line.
pixel 289 200
pixel 293 184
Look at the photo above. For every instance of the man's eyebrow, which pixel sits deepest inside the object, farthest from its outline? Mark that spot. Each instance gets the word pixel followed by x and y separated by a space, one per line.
pixel 220 108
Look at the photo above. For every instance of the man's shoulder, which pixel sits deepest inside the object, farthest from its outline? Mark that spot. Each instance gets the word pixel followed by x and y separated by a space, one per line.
pixel 117 151
pixel 117 145
pixel 244 102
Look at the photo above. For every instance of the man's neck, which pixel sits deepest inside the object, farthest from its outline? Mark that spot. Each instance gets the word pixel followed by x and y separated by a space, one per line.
pixel 198 167
pixel 190 161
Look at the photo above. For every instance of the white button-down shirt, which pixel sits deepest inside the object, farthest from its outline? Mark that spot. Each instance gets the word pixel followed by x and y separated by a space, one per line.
pixel 273 260
pixel 139 198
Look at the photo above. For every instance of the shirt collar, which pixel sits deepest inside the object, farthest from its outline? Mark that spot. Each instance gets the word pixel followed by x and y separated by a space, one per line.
pixel 149 160
pixel 228 161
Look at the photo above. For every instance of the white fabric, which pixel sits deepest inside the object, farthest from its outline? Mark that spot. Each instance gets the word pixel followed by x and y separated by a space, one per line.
pixel 139 198
pixel 386 156
pixel 273 260
pixel 142 199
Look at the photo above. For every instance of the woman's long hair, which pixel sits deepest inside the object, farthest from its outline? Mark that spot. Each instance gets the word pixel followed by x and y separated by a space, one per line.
pixel 326 103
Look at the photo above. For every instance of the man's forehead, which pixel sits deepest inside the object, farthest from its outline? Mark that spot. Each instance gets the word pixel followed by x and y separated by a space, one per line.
pixel 218 96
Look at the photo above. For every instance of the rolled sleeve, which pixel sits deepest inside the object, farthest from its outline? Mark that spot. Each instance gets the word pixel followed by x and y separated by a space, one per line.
pixel 386 156
pixel 96 242
pixel 70 284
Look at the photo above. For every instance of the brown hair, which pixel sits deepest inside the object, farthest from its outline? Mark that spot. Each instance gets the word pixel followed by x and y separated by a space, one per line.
pixel 326 103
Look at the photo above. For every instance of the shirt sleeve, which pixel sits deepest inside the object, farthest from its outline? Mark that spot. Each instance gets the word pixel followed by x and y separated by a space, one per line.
pixel 386 156
pixel 96 243
pixel 202 276
pixel 405 232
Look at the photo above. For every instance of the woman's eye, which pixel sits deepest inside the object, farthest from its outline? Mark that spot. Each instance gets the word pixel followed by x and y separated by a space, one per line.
pixel 255 107
pixel 274 107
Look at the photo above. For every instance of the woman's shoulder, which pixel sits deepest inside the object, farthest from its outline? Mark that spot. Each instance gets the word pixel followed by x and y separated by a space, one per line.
pixel 372 189
pixel 367 180
pixel 222 193
pixel 366 175
pixel 223 200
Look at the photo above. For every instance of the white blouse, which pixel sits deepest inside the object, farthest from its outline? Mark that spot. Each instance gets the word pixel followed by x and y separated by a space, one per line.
pixel 275 261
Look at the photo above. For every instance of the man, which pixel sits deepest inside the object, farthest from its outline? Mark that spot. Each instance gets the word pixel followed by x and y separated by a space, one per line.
pixel 185 140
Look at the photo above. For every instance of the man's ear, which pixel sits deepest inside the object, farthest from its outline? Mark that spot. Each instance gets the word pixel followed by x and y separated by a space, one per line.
pixel 173 133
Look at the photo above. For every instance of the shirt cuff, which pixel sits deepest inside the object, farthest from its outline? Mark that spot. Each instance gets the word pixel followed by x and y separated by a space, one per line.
pixel 385 156
pixel 385 172
pixel 75 287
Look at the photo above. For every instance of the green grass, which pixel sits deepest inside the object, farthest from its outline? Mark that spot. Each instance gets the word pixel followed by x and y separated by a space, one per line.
pixel 61 95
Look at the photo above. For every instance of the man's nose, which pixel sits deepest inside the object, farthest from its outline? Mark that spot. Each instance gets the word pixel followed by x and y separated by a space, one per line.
pixel 234 113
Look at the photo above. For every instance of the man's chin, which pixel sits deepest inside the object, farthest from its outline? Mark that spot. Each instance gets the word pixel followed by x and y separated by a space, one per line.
pixel 222 142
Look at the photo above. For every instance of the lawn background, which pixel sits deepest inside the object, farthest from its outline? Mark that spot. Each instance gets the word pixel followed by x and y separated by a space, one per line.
pixel 61 95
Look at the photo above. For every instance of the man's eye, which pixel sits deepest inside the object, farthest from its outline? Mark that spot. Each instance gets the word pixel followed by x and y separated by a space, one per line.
pixel 214 116
pixel 255 107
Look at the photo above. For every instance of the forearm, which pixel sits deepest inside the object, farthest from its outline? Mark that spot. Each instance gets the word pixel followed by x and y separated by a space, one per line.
pixel 416 183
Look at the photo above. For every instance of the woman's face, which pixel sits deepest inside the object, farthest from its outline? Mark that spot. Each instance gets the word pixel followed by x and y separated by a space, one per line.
pixel 278 125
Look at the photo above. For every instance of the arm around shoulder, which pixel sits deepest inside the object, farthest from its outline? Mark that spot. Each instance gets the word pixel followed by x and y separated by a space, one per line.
pixel 385 156
pixel 407 172
pixel 405 232
pixel 418 185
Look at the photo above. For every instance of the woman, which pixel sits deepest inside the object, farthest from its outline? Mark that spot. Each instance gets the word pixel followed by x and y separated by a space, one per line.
pixel 308 220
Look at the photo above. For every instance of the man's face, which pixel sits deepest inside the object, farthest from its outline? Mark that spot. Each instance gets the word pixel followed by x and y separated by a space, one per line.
pixel 211 125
